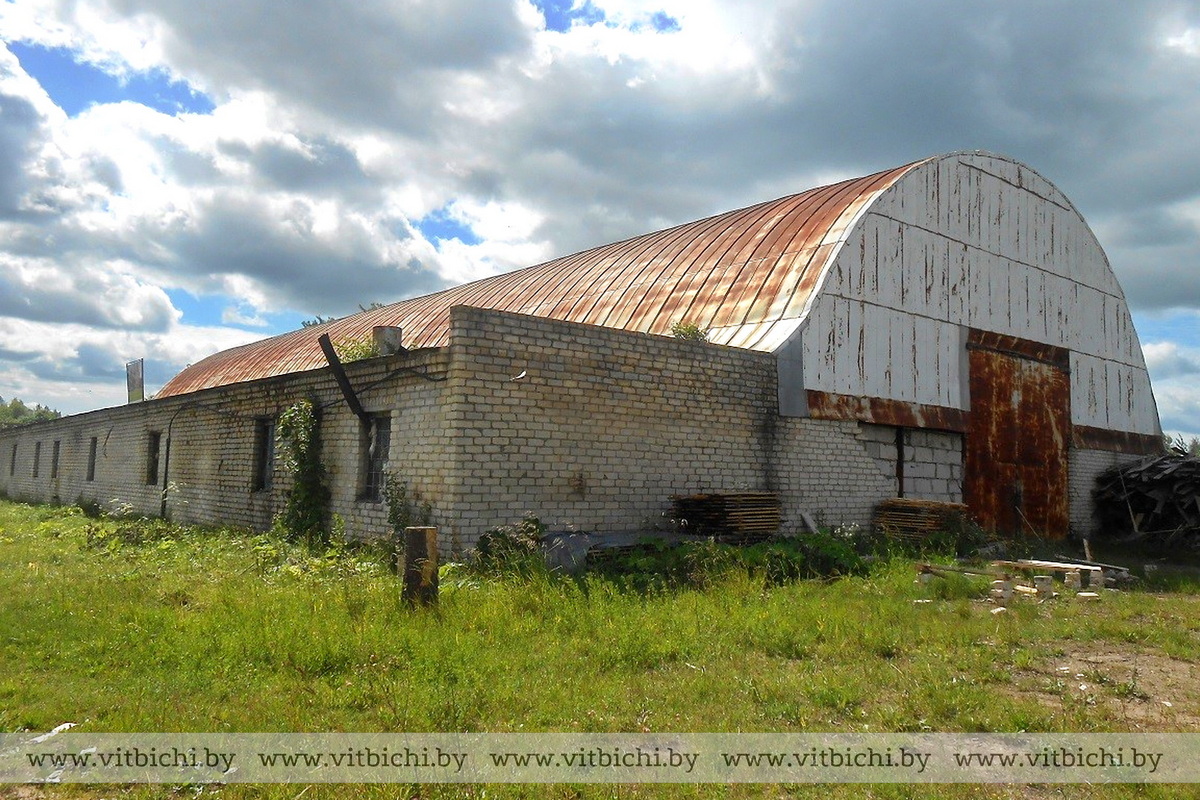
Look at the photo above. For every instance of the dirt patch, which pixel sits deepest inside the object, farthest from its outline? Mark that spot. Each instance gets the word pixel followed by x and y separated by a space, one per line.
pixel 22 792
pixel 75 791
pixel 1145 690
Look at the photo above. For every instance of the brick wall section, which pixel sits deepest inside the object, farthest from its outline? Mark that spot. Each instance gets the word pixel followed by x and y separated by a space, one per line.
pixel 824 468
pixel 211 447
pixel 122 436
pixel 605 426
pixel 419 449
pixel 880 443
pixel 933 468
pixel 933 461
pixel 1085 465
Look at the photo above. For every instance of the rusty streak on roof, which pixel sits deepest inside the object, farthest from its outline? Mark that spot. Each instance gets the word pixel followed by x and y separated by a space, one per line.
pixel 746 275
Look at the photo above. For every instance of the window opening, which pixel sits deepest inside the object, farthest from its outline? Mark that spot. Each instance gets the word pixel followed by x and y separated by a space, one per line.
pixel 152 448
pixel 377 439
pixel 91 469
pixel 264 454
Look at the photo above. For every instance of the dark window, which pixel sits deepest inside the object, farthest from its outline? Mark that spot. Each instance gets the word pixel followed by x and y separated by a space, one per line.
pixel 54 460
pixel 91 473
pixel 376 440
pixel 12 464
pixel 37 458
pixel 264 454
pixel 152 447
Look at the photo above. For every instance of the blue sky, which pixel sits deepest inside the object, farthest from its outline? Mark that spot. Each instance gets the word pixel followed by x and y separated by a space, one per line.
pixel 561 15
pixel 191 177
pixel 1179 327
pixel 442 226
pixel 75 85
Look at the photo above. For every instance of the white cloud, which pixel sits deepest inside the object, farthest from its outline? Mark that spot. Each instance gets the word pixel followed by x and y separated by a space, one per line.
pixel 1168 360
pixel 101 295
pixel 242 315
pixel 1179 407
pixel 502 222
pixel 118 43
pixel 1186 42
pixel 338 127
pixel 76 367
pixel 734 31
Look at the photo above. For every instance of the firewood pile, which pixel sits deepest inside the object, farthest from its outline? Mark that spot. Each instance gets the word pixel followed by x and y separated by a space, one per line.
pixel 736 518
pixel 1154 502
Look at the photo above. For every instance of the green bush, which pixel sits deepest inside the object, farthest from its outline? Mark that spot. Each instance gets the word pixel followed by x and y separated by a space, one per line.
pixel 658 565
pixel 512 549
pixel 961 537
pixel 356 349
pixel 689 331
pixel 406 509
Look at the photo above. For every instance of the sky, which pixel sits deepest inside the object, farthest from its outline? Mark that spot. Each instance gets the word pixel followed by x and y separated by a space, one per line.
pixel 177 177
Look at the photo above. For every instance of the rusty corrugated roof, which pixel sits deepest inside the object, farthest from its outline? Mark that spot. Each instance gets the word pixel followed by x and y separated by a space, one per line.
pixel 745 275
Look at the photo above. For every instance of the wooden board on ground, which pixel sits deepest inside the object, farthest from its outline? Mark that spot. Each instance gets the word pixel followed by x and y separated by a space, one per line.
pixel 1054 566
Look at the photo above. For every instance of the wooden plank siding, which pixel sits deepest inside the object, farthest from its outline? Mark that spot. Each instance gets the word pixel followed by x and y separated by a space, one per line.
pixel 973 241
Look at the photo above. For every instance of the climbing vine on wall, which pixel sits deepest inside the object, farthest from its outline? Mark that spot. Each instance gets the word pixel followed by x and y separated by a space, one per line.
pixel 306 511
pixel 405 508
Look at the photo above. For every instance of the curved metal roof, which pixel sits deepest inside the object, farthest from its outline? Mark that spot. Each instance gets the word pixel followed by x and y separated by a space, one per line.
pixel 745 275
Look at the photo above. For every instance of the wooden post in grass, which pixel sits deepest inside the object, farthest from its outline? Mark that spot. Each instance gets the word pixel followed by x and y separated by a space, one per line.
pixel 420 566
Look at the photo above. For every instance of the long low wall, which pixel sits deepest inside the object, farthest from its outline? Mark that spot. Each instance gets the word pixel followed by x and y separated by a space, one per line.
pixel 586 428
pixel 208 457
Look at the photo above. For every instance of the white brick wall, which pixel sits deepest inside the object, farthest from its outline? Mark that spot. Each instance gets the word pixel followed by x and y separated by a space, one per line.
pixel 933 461
pixel 607 425
pixel 1084 466
pixel 933 468
pixel 211 440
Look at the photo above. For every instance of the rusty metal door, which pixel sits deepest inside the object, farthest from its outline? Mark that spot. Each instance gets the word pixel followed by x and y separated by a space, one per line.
pixel 1017 437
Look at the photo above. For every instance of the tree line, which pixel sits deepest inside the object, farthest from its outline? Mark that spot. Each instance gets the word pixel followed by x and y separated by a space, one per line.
pixel 16 412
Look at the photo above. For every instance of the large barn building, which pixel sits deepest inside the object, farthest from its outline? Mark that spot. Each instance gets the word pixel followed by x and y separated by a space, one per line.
pixel 947 330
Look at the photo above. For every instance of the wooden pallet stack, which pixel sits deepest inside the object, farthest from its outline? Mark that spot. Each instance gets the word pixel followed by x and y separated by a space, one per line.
pixel 915 520
pixel 737 518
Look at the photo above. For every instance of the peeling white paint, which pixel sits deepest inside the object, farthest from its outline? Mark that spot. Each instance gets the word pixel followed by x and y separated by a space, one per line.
pixel 980 241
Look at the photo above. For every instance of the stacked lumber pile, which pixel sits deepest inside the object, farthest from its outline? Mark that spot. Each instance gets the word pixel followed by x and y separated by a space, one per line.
pixel 738 518
pixel 916 520
pixel 1154 501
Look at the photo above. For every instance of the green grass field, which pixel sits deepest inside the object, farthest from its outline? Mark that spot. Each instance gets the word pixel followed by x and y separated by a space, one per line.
pixel 152 627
